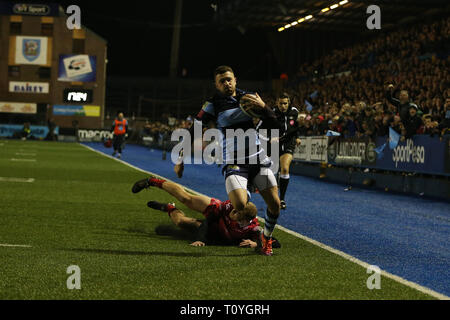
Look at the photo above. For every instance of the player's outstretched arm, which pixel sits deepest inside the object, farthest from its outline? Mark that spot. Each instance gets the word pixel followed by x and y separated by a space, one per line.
pixel 247 243
pixel 198 244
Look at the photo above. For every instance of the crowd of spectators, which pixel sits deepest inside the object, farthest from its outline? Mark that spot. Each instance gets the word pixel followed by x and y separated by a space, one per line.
pixel 348 90
pixel 399 79
pixel 160 131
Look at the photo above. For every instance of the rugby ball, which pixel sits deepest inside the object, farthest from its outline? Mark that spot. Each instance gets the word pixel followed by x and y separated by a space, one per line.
pixel 250 109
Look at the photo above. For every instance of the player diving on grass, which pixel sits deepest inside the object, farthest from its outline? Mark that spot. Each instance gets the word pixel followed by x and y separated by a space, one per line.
pixel 223 224
pixel 247 163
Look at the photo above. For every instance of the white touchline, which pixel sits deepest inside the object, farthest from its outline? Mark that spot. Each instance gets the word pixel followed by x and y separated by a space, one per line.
pixel 305 238
pixel 14 245
pixel 12 179
pixel 25 160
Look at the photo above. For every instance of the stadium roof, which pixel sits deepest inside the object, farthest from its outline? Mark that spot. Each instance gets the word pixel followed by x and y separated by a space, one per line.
pixel 350 16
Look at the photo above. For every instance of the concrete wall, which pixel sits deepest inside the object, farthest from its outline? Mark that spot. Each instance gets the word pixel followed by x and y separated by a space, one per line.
pixel 422 185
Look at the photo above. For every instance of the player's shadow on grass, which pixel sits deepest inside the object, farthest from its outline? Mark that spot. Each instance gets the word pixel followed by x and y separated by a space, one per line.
pixel 169 231
pixel 165 230
pixel 155 253
pixel 139 253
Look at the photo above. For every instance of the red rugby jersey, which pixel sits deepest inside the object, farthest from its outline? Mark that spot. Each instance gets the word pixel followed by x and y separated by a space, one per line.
pixel 218 215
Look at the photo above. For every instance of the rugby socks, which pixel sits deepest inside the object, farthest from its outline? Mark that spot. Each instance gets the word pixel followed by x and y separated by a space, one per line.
pixel 269 224
pixel 155 182
pixel 170 207
pixel 284 181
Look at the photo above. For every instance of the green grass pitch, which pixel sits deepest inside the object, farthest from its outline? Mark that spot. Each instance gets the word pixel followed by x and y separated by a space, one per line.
pixel 80 211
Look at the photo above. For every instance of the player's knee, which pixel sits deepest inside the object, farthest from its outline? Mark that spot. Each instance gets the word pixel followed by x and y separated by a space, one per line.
pixel 186 200
pixel 284 170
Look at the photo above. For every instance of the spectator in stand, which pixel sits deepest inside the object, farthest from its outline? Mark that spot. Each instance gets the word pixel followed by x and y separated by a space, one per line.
pixel 402 104
pixel 429 127
pixel 413 122
pixel 444 126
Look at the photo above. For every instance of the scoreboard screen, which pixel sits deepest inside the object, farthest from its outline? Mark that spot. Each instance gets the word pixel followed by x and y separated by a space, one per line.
pixel 78 95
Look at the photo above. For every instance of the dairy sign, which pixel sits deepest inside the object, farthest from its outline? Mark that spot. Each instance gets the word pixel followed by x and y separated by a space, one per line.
pixel 28 87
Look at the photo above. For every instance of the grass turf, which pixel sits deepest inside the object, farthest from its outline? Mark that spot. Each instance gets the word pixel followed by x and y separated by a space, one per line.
pixel 80 211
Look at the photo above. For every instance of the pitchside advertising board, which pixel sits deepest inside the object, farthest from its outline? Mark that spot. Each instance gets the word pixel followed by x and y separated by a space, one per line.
pixel 40 132
pixel 422 154
pixel 341 150
pixel 447 154
pixel 312 149
pixel 96 135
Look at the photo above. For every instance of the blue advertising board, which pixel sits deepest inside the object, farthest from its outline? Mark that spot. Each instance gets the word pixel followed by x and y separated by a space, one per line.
pixel 422 154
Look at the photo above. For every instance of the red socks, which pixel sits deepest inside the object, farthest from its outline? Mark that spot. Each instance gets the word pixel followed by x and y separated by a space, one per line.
pixel 170 207
pixel 156 182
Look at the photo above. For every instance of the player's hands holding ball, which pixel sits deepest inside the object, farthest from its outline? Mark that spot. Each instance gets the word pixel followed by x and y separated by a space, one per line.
pixel 253 100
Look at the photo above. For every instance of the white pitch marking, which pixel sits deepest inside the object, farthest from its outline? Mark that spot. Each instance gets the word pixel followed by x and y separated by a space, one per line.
pixel 12 179
pixel 14 245
pixel 307 239
pixel 25 160
pixel 25 154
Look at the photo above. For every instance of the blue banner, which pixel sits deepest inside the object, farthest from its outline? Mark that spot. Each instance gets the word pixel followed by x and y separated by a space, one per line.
pixel 422 153
pixel 8 130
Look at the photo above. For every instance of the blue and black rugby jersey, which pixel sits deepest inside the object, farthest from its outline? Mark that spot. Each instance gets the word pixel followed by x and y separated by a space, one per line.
pixel 226 113
pixel 287 123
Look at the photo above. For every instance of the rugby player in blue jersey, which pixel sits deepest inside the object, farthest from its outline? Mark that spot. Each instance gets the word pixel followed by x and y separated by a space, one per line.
pixel 224 109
